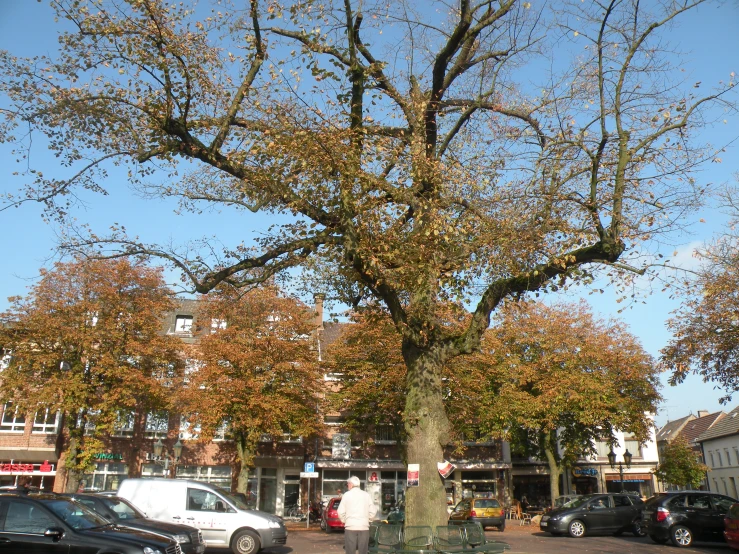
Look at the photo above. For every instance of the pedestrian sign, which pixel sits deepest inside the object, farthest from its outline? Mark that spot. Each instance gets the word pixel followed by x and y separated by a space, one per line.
pixel 310 467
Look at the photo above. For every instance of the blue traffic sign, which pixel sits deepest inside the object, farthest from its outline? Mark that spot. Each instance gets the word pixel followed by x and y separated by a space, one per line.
pixel 310 467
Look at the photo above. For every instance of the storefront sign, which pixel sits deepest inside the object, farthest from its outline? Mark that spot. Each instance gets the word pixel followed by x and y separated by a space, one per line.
pixel 341 446
pixel 109 456
pixel 20 468
pixel 584 472
pixel 413 474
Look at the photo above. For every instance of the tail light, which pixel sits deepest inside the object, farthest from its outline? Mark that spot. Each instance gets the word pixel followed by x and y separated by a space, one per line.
pixel 333 513
pixel 662 514
pixel 473 513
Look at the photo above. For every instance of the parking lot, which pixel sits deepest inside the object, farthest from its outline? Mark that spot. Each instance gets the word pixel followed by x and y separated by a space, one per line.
pixel 523 540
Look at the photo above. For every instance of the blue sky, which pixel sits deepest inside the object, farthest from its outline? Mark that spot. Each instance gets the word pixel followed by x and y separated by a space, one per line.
pixel 708 36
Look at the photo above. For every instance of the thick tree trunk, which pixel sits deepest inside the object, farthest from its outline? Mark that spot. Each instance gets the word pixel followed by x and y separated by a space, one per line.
pixel 555 469
pixel 427 426
pixel 73 475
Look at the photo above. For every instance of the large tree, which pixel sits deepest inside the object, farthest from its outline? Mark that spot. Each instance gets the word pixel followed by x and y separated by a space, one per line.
pixel 256 371
pixel 415 164
pixel 681 465
pixel 87 342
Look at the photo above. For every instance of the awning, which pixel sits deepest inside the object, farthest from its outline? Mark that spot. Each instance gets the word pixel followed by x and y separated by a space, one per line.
pixel 629 477
pixel 29 455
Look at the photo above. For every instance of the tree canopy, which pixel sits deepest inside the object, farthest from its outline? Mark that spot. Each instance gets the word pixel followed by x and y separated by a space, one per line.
pixel 680 465
pixel 87 342
pixel 419 164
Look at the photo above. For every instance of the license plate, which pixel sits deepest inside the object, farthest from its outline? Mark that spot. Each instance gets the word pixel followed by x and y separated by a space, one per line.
pixel 543 523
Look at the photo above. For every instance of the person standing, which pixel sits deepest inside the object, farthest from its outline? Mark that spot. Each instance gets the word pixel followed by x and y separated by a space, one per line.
pixel 355 512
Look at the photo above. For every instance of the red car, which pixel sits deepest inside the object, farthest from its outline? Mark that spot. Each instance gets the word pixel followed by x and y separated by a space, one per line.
pixel 330 518
pixel 731 526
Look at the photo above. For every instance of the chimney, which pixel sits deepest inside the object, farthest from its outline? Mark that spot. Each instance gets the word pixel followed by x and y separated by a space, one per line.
pixel 318 299
pixel 702 413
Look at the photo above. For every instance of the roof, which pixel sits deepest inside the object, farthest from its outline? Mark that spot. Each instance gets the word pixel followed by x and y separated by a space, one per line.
pixel 671 429
pixel 728 425
pixel 331 333
pixel 698 426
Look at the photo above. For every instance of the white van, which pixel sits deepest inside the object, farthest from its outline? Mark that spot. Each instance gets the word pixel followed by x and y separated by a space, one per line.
pixel 224 520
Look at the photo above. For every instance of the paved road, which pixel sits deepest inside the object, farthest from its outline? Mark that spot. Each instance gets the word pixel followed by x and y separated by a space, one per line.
pixel 524 540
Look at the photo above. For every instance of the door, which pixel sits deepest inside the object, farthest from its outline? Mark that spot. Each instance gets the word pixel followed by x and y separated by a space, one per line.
pixel 23 528
pixel 624 510
pixel 721 505
pixel 701 517
pixel 599 515
pixel 211 514
pixel 461 511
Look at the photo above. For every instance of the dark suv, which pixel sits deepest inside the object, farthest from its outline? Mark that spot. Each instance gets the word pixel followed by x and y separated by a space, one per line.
pixel 685 516
pixel 122 512
pixel 596 513
pixel 42 524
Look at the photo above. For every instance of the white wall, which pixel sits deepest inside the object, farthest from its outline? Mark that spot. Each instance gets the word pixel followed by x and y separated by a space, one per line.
pixel 721 457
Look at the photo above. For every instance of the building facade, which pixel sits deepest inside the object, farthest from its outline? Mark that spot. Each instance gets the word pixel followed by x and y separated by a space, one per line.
pixel 720 445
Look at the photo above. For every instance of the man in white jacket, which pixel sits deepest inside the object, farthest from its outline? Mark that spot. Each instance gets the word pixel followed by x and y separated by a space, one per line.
pixel 355 512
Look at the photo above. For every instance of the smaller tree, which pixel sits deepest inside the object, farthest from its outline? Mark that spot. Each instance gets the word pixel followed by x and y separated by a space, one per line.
pixel 87 342
pixel 680 465
pixel 258 370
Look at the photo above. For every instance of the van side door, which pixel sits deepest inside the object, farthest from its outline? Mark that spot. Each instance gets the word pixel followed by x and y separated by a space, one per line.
pixel 211 514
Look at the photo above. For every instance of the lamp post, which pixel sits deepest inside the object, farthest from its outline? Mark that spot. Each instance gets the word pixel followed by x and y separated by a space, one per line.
pixel 627 461
pixel 162 457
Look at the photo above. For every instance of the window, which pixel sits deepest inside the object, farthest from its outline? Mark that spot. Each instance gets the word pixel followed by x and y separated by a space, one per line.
pixel 385 434
pixel 217 324
pixel 220 434
pixel 124 424
pixel 699 501
pixel 287 437
pixel 476 436
pixel 632 445
pixel 712 461
pixel 720 462
pixel 722 503
pixel 107 476
pixel 157 425
pixel 27 519
pixel 602 449
pixel 189 430
pixel 216 475
pixel 12 421
pixel 728 458
pixel 621 500
pixel 736 455
pixel 183 324
pixel 46 422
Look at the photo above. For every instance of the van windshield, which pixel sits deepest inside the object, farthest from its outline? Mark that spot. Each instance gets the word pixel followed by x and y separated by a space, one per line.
pixel 233 499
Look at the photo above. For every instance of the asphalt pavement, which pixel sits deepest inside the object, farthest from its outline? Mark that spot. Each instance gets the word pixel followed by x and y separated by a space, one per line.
pixel 523 540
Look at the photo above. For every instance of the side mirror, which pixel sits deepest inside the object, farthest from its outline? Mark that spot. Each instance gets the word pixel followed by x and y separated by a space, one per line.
pixel 54 533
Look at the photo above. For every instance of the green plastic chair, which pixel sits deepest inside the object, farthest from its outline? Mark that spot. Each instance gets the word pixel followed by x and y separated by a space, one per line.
pixel 388 538
pixel 418 537
pixel 475 540
pixel 449 538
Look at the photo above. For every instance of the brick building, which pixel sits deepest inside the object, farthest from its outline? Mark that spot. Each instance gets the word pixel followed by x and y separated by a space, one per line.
pixel 31 446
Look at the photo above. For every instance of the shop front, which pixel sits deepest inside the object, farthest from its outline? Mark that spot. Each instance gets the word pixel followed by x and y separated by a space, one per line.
pixel 535 488
pixel 584 480
pixel 639 483
pixel 14 473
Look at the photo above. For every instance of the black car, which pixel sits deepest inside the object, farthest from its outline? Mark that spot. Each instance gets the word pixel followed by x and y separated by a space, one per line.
pixel 596 513
pixel 686 516
pixel 122 512
pixel 50 524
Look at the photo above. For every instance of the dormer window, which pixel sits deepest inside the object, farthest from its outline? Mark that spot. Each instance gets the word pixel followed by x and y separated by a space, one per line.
pixel 183 324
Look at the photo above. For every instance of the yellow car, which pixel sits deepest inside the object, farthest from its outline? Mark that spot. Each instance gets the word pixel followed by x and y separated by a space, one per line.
pixel 486 511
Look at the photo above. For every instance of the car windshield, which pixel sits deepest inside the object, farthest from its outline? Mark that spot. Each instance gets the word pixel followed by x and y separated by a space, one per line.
pixel 121 508
pixel 577 502
pixel 487 503
pixel 235 500
pixel 76 515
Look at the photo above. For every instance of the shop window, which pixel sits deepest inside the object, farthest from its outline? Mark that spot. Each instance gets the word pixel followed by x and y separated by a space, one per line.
pixel 107 476
pixel 216 475
pixel 124 424
pixel 12 421
pixel 46 422
pixel 479 484
pixel 268 490
pixel 157 425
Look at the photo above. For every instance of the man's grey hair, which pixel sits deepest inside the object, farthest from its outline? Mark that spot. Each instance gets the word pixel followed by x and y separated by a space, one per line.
pixel 354 480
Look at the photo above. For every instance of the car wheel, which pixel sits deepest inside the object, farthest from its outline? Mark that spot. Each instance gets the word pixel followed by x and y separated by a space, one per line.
pixel 681 536
pixel 246 542
pixel 658 540
pixel 501 527
pixel 576 528
pixel 638 530
pixel 323 525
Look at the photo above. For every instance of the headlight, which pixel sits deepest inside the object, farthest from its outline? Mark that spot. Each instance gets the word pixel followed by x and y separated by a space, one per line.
pixel 182 538
pixel 274 524
pixel 149 550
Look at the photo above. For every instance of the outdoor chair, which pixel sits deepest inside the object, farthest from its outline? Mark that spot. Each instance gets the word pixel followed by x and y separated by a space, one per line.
pixel 418 536
pixel 388 538
pixel 414 551
pixel 475 540
pixel 450 538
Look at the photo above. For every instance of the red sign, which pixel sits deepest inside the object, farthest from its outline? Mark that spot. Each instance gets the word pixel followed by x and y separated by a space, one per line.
pixel 46 467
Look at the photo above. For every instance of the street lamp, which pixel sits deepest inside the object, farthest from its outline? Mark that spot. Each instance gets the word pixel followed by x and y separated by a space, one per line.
pixel 161 456
pixel 627 461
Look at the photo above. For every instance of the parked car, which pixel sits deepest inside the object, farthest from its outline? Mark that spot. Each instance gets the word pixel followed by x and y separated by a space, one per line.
pixel 330 517
pixel 224 520
pixel 47 523
pixel 596 513
pixel 122 512
pixel 486 511
pixel 686 516
pixel 731 527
